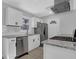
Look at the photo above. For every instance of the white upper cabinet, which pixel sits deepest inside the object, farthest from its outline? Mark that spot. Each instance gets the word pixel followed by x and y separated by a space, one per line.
pixel 35 20
pixel 14 17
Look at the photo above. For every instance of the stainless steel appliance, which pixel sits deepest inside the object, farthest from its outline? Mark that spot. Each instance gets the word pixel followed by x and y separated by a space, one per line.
pixel 65 38
pixel 21 46
pixel 42 29
pixel 61 7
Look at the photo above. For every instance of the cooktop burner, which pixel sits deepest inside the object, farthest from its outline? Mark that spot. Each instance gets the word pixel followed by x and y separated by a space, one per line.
pixel 63 38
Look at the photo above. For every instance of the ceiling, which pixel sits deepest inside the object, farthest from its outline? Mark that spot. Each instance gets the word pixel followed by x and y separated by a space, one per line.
pixel 36 7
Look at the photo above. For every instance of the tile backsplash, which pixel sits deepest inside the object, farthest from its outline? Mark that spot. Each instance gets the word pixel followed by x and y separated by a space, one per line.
pixel 10 29
pixel 13 29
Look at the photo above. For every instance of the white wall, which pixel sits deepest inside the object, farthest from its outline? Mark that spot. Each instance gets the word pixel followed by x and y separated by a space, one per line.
pixel 53 29
pixel 66 23
pixel 73 4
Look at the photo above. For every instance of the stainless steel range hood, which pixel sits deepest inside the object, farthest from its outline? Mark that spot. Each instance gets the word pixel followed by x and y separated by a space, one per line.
pixel 61 7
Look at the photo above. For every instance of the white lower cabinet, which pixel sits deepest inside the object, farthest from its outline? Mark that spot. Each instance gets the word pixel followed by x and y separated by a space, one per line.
pixel 12 48
pixel 37 41
pixel 30 43
pixel 9 48
pixel 54 52
pixel 33 42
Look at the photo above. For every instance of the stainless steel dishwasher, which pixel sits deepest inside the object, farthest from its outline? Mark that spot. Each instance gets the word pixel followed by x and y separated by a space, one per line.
pixel 21 46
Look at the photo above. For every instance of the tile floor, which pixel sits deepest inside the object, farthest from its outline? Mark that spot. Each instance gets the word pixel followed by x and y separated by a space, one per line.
pixel 34 54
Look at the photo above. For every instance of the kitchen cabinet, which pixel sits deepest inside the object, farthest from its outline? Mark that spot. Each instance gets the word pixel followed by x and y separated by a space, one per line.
pixel 34 21
pixel 12 48
pixel 14 17
pixel 55 52
pixel 33 42
pixel 9 48
pixel 37 41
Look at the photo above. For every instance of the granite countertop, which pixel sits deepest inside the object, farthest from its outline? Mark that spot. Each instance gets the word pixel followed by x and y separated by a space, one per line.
pixel 16 35
pixel 66 35
pixel 13 36
pixel 62 44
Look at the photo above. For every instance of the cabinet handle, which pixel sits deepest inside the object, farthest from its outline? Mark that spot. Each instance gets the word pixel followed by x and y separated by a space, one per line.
pixel 33 40
pixel 16 23
pixel 16 44
pixel 12 40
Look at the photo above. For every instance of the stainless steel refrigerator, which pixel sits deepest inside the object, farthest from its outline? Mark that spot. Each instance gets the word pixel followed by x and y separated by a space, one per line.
pixel 42 29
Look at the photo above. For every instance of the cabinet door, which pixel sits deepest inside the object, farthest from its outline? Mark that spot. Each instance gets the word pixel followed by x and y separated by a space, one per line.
pixel 14 17
pixel 5 48
pixel 37 41
pixel 10 16
pixel 34 21
pixel 30 43
pixel 12 48
pixel 33 42
pixel 19 18
pixel 54 52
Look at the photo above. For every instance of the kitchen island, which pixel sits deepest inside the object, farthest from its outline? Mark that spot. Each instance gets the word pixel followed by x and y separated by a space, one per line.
pixel 57 49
